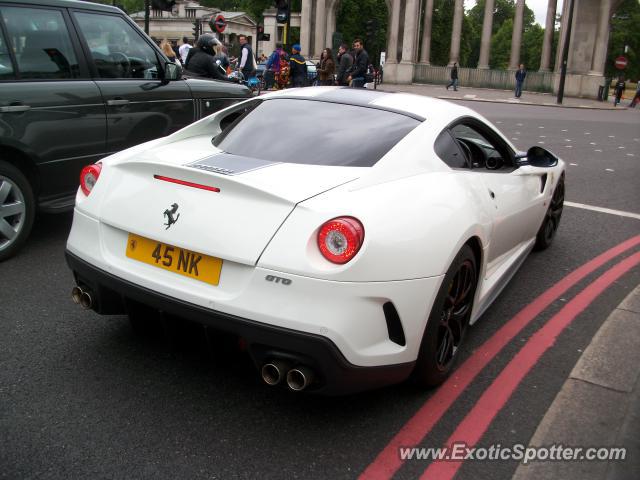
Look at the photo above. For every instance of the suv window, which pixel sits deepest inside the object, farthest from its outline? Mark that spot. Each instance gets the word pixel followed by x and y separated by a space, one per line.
pixel 315 132
pixel 41 43
pixel 117 49
pixel 6 68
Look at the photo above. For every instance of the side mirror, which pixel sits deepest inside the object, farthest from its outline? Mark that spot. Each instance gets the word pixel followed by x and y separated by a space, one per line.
pixel 172 71
pixel 537 157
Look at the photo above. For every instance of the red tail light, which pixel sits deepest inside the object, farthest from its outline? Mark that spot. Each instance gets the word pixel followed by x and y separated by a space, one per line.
pixel 340 239
pixel 89 177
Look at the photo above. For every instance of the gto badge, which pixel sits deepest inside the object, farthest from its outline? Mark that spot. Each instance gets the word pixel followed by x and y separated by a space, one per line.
pixel 169 213
pixel 273 278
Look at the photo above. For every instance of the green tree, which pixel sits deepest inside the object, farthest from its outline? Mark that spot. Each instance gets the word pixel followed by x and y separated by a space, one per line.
pixel 351 18
pixel 501 46
pixel 531 50
pixel 624 31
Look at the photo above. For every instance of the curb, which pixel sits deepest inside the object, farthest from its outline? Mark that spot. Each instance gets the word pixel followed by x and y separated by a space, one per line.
pixel 545 104
pixel 598 405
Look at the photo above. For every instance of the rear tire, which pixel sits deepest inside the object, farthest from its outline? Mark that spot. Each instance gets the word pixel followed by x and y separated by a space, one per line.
pixel 448 321
pixel 17 210
pixel 551 221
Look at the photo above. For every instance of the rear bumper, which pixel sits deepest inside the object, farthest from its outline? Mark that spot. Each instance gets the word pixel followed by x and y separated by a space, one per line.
pixel 265 342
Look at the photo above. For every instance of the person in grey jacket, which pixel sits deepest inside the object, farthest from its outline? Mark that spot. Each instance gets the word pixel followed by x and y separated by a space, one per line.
pixel 345 60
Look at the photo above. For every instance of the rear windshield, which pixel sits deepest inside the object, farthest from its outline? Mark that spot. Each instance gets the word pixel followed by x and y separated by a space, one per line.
pixel 315 132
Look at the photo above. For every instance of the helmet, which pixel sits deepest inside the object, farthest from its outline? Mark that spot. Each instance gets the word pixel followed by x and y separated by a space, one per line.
pixel 207 42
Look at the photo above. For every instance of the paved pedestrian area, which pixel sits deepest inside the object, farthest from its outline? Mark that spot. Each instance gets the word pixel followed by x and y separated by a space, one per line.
pixel 502 96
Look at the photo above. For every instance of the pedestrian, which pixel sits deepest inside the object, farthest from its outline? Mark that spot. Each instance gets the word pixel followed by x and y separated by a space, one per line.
pixel 327 67
pixel 184 50
pixel 619 89
pixel 272 67
pixel 247 60
pixel 636 97
pixel 454 78
pixel 297 67
pixel 360 64
pixel 521 73
pixel 165 45
pixel 345 61
pixel 201 59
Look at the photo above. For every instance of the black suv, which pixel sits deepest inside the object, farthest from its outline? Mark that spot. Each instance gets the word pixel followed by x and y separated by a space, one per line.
pixel 79 81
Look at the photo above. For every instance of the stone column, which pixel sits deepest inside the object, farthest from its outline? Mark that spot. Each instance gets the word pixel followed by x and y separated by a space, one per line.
pixel 331 25
pixel 425 52
pixel 602 39
pixel 394 27
pixel 456 33
pixel 321 28
pixel 410 35
pixel 485 43
pixel 305 26
pixel 549 26
pixel 516 38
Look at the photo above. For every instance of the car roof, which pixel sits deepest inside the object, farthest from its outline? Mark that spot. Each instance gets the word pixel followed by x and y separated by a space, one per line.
pixel 417 106
pixel 66 4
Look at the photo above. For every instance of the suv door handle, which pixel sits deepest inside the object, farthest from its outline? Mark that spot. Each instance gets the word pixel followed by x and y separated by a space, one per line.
pixel 117 101
pixel 14 108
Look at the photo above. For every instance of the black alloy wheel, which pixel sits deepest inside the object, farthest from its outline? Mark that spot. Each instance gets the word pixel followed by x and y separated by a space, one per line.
pixel 551 221
pixel 448 321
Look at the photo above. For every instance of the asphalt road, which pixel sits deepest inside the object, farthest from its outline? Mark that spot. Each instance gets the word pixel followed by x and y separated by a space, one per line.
pixel 81 396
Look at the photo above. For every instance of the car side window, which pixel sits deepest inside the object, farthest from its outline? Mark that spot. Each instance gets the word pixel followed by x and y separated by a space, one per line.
pixel 449 151
pixel 483 149
pixel 116 48
pixel 41 42
pixel 6 67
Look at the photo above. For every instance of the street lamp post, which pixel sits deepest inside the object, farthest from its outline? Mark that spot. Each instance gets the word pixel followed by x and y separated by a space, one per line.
pixel 565 54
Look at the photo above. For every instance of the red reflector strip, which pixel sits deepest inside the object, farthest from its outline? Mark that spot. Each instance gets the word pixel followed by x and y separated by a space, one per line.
pixel 188 184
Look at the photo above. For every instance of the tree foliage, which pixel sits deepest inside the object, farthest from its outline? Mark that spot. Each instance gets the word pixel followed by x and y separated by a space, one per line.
pixel 624 31
pixel 351 18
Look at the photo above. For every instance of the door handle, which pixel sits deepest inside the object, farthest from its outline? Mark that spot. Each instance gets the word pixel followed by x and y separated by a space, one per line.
pixel 14 108
pixel 117 101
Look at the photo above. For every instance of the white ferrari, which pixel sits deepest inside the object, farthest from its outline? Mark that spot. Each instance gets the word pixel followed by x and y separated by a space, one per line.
pixel 349 237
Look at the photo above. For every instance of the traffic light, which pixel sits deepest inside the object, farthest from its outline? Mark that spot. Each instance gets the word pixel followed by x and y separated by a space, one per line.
pixel 370 28
pixel 166 5
pixel 282 15
pixel 263 37
pixel 196 29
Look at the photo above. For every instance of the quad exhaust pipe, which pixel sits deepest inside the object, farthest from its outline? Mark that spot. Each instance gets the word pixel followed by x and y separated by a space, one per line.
pixel 278 371
pixel 82 297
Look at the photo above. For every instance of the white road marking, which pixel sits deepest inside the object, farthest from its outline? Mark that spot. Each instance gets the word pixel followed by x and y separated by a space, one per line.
pixel 597 150
pixel 541 143
pixel 498 121
pixel 519 124
pixel 612 136
pixel 630 155
pixel 517 133
pixel 565 130
pixel 567 139
pixel 569 146
pixel 514 138
pixel 603 210
pixel 574 164
pixel 609 170
pixel 621 147
pixel 543 136
pixel 540 127
pixel 587 133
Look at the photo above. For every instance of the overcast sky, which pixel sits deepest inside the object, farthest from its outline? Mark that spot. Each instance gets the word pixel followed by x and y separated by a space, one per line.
pixel 539 7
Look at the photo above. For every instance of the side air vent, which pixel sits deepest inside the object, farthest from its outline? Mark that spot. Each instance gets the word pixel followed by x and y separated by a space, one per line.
pixel 394 327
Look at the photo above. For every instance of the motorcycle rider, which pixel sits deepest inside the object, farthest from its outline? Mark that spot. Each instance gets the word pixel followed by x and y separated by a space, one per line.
pixel 202 61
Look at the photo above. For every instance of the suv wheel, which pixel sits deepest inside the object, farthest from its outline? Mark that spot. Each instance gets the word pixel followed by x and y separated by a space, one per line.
pixel 17 210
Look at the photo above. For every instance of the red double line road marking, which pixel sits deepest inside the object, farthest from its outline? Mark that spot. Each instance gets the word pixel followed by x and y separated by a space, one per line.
pixel 411 434
pixel 475 424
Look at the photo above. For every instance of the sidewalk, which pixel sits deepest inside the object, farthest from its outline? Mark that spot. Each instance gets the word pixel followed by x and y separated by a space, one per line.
pixel 598 405
pixel 502 96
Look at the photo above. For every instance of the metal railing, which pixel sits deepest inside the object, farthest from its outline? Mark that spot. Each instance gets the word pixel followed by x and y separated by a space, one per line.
pixel 472 77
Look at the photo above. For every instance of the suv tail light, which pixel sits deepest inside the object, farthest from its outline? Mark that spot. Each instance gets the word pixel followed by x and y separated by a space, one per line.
pixel 89 176
pixel 340 239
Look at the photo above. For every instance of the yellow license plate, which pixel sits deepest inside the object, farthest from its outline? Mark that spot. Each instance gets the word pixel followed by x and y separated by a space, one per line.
pixel 178 260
